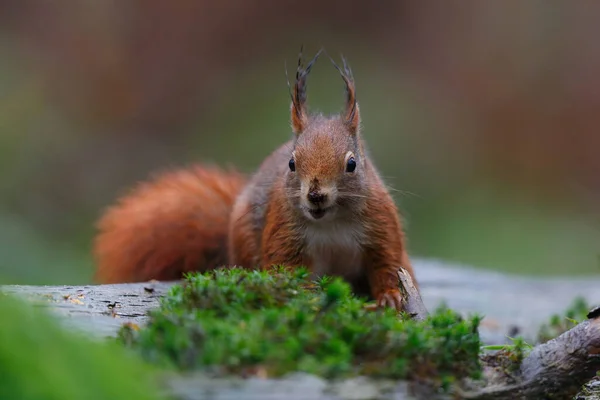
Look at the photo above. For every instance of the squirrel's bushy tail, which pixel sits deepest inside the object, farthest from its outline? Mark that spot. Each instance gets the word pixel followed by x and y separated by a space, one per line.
pixel 173 223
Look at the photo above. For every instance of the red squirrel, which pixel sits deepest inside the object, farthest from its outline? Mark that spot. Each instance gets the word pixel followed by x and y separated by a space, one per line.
pixel 317 201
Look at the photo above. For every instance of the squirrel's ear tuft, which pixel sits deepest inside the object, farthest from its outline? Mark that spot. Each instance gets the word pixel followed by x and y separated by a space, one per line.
pixel 298 93
pixel 351 113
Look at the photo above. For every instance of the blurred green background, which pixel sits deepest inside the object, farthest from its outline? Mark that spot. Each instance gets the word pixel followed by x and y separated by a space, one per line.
pixel 482 114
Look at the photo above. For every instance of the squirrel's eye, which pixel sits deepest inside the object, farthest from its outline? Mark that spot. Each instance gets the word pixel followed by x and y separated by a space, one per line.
pixel 292 165
pixel 350 165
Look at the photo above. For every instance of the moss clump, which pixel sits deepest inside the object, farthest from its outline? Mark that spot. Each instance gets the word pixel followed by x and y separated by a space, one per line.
pixel 240 321
pixel 559 324
pixel 39 360
pixel 507 357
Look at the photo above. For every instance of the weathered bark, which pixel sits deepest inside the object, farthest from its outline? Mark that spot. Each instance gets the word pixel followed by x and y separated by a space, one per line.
pixel 414 303
pixel 556 369
pixel 97 310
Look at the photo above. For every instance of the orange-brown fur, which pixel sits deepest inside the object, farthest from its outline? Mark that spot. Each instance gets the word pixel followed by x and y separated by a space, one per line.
pixel 316 201
pixel 175 223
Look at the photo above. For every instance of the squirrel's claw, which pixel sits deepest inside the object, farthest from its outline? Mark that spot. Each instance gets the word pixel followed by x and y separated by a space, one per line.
pixel 391 298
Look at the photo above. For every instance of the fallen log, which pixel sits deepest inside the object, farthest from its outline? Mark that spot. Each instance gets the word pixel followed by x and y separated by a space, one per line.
pixel 556 369
pixel 466 290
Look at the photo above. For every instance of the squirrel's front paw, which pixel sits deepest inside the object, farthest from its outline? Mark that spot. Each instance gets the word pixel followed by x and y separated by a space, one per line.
pixel 391 298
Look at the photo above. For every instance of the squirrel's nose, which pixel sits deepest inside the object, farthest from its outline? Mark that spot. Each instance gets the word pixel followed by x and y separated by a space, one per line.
pixel 316 198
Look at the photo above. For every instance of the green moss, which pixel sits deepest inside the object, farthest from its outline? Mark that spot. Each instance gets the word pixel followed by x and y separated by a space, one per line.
pixel 39 360
pixel 508 357
pixel 559 324
pixel 239 321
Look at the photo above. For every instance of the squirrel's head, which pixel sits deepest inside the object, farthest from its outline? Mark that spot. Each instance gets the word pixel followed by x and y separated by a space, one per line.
pixel 326 171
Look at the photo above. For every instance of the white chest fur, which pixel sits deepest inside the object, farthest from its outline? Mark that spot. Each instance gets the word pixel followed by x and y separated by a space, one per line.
pixel 334 248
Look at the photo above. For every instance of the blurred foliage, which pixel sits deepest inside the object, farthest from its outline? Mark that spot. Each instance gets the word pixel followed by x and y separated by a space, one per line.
pixel 559 324
pixel 40 360
pixel 275 322
pixel 486 129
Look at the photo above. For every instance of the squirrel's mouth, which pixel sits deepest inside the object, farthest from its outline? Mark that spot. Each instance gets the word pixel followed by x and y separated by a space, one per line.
pixel 318 213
